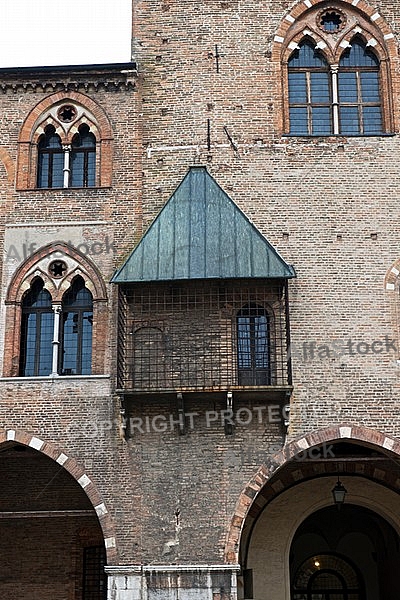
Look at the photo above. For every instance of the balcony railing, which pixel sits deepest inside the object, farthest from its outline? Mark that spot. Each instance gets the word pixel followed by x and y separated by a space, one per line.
pixel 203 336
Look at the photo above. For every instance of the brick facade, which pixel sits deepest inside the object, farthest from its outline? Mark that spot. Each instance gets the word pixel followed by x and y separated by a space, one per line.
pixel 184 495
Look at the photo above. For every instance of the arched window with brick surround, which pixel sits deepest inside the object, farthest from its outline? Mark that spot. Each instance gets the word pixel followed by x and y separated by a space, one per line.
pixel 337 64
pixel 76 330
pixel 36 331
pixel 50 159
pixel 56 315
pixel 65 141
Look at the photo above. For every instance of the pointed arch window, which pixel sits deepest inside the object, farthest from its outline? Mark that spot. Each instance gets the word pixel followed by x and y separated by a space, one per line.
pixel 77 323
pixel 36 332
pixel 310 99
pixel 83 158
pixel 253 346
pixel 50 159
pixel 66 165
pixel 359 95
pixel 334 99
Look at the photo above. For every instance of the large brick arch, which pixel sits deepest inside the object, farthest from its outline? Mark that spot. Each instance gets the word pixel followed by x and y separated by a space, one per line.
pixel 345 432
pixel 78 473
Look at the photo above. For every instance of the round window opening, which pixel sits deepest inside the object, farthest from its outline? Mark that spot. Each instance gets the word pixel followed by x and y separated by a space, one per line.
pixel 67 113
pixel 331 20
pixel 57 269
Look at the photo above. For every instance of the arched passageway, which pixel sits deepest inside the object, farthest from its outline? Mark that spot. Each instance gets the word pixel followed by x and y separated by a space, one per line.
pixel 51 543
pixel 297 545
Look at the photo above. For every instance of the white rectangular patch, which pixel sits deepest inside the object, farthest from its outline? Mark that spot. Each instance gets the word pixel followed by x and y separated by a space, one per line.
pixel 388 36
pixel 290 18
pixel 11 434
pixel 278 39
pixel 100 509
pixel 307 3
pixel 62 459
pixel 390 286
pixel 84 481
pixel 388 444
pixel 36 443
pixel 395 271
pixel 375 16
pixel 345 432
pixel 302 443
pixel 293 45
pixel 109 542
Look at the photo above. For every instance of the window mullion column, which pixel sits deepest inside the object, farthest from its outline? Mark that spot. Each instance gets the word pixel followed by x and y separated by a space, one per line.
pixel 67 165
pixel 56 338
pixel 309 105
pixel 335 98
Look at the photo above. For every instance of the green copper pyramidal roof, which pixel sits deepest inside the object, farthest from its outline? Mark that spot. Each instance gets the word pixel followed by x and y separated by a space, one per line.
pixel 201 234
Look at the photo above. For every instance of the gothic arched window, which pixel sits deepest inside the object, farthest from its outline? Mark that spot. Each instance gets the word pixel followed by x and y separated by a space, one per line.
pixel 77 323
pixel 343 99
pixel 36 332
pixel 253 346
pixel 83 158
pixel 359 91
pixel 310 100
pixel 337 63
pixel 50 160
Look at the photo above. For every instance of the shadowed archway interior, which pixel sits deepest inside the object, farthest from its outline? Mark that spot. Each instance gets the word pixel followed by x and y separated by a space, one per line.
pixel 346 554
pixel 51 543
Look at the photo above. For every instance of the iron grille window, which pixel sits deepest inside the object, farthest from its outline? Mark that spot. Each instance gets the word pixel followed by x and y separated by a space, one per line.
pixel 77 325
pixel 83 158
pixel 203 335
pixel 36 332
pixel 253 346
pixel 94 578
pixel 50 160
pixel 338 99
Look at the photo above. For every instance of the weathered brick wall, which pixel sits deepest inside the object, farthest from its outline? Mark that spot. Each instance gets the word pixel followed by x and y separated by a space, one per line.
pixel 329 205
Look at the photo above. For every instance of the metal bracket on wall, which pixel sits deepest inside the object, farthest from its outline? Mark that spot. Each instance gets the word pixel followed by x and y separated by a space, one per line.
pixel 122 412
pixel 228 425
pixel 181 414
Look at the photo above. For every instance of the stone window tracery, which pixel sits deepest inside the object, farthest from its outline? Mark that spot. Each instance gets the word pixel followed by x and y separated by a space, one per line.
pixel 56 315
pixel 337 72
pixel 68 145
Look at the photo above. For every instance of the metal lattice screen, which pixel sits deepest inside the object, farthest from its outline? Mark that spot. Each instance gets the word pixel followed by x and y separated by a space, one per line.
pixel 203 335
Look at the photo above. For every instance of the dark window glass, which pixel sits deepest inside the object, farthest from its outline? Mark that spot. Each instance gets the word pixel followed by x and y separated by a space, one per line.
pixel 94 578
pixel 309 92
pixel 76 347
pixel 253 346
pixel 359 91
pixel 83 158
pixel 36 332
pixel 50 160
